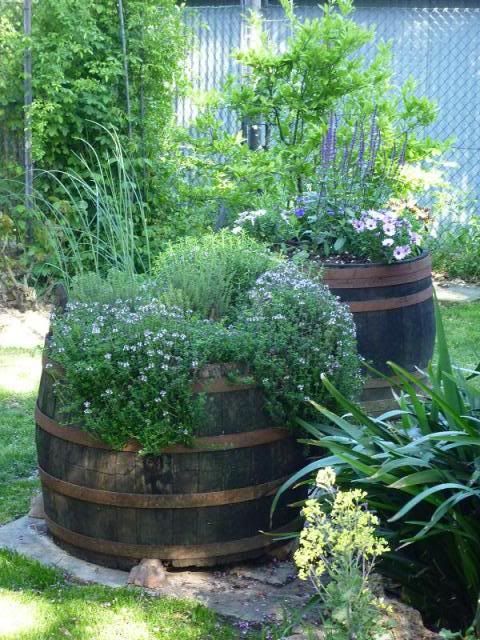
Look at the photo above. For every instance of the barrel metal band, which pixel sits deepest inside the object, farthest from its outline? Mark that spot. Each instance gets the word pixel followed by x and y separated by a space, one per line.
pixel 386 304
pixel 390 381
pixel 375 282
pixel 167 552
pixel 156 501
pixel 203 444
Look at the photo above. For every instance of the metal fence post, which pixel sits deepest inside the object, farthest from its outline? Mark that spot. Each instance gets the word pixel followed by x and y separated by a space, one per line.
pixel 249 37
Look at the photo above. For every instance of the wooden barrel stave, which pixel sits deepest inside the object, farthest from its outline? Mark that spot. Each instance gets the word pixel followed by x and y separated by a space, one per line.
pixel 393 310
pixel 100 502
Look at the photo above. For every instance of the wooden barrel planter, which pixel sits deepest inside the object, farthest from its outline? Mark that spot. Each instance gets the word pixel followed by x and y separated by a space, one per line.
pixel 392 305
pixel 188 506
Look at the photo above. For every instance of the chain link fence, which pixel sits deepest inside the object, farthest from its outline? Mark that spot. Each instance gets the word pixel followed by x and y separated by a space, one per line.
pixel 437 44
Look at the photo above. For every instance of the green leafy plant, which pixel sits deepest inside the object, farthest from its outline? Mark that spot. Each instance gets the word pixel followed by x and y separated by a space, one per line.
pixel 293 325
pixel 289 96
pixel 117 64
pixel 337 552
pixel 129 364
pixel 455 249
pixel 212 274
pixel 419 466
pixel 98 220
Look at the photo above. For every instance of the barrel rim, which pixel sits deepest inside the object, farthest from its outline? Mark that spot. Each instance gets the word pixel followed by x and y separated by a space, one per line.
pixel 425 255
pixel 205 444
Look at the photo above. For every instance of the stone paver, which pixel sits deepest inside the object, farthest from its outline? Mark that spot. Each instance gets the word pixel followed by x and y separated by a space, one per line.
pixel 452 292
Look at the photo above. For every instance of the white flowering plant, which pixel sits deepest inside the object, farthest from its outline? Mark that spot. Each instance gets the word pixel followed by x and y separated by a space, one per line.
pixel 128 367
pixel 298 330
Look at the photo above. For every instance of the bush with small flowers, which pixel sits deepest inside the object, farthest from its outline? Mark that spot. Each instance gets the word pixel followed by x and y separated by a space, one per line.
pixel 129 365
pixel 298 330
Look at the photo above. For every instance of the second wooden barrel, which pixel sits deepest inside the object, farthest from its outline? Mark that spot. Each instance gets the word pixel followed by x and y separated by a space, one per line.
pixel 203 505
pixel 392 305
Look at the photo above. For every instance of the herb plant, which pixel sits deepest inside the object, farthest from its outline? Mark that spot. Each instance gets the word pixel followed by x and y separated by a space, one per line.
pixel 298 331
pixel 129 364
pixel 337 552
pixel 211 275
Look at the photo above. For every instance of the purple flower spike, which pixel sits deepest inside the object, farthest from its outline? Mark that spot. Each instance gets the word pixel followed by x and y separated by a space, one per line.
pixel 300 212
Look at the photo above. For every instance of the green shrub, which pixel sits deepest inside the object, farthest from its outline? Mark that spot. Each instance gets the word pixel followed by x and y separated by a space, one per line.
pixel 211 275
pixel 456 252
pixel 297 331
pixel 129 365
pixel 290 93
pixel 419 465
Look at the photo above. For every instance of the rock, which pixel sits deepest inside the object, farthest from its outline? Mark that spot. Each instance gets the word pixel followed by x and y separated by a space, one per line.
pixel 406 623
pixel 275 574
pixel 150 573
pixel 36 507
pixel 284 552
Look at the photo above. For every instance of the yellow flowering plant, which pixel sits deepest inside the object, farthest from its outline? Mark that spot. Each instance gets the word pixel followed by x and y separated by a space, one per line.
pixel 337 551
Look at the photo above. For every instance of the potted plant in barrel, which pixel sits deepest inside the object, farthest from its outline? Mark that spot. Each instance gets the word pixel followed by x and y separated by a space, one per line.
pixel 165 403
pixel 368 243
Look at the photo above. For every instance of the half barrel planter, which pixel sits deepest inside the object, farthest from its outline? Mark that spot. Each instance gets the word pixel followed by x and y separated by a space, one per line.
pixel 393 310
pixel 203 505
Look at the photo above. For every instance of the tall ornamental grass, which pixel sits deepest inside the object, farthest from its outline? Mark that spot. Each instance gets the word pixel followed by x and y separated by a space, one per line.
pixel 99 222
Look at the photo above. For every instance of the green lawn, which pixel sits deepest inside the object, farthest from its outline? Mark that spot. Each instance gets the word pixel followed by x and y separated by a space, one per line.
pixel 462 325
pixel 19 372
pixel 37 603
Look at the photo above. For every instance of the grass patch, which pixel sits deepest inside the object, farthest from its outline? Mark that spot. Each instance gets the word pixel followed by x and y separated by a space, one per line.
pixel 462 326
pixel 36 603
pixel 19 375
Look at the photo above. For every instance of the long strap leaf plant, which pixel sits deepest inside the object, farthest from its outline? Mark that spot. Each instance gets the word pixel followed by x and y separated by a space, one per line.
pixel 420 465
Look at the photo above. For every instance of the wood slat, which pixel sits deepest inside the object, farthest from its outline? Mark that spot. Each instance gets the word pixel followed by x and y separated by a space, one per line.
pixel 156 501
pixel 209 443
pixel 167 552
pixel 377 271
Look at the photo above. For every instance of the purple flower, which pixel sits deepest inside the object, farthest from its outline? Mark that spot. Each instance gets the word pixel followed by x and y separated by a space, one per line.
pixel 389 229
pixel 400 253
pixel 358 225
pixel 300 212
pixel 370 224
pixel 416 238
